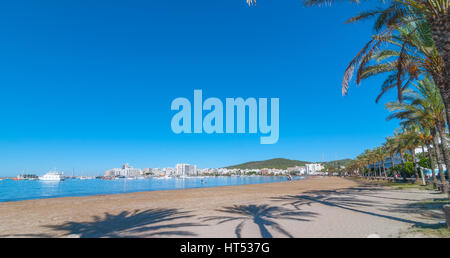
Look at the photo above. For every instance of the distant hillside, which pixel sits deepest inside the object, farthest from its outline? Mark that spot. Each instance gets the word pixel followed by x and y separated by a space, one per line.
pixel 341 162
pixel 271 163
pixel 283 164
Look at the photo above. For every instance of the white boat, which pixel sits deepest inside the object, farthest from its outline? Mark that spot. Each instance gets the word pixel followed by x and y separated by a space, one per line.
pixel 162 177
pixel 52 176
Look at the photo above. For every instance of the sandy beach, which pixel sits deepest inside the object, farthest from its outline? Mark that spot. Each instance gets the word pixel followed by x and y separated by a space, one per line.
pixel 314 207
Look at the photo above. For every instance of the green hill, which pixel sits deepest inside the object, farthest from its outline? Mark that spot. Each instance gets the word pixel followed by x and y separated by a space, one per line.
pixel 284 163
pixel 341 162
pixel 271 163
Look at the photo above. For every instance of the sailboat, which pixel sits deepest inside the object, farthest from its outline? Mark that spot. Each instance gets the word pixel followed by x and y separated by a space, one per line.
pixel 82 177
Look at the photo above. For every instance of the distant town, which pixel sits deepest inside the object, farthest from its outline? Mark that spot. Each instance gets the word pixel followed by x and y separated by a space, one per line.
pixel 182 171
pixel 189 170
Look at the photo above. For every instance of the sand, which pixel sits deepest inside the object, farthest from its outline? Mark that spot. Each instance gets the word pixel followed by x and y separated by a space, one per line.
pixel 315 207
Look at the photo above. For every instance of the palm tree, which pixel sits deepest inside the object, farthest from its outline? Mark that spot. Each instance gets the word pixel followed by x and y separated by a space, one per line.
pixel 419 25
pixel 379 154
pixel 427 139
pixel 401 148
pixel 383 154
pixel 431 100
pixel 391 148
pixel 412 141
pixel 363 163
pixel 357 166
pixel 371 159
pixel 376 163
pixel 437 149
pixel 405 56
pixel 434 12
pixel 354 167
pixel 425 107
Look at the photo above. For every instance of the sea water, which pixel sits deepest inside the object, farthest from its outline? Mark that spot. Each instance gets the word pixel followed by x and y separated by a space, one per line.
pixel 11 190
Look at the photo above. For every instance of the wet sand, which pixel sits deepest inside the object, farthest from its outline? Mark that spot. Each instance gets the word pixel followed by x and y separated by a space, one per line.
pixel 314 207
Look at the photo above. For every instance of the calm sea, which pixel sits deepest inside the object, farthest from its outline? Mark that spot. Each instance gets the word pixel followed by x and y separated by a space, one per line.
pixel 11 190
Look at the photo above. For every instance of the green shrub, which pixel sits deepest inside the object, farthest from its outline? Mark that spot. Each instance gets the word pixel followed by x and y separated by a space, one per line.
pixel 425 162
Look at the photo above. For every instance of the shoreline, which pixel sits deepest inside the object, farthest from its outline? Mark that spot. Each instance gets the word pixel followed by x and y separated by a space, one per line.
pixel 225 188
pixel 147 190
pixel 303 208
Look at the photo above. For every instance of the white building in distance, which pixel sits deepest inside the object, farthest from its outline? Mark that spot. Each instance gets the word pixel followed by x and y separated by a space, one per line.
pixel 186 170
pixel 147 171
pixel 311 169
pixel 297 169
pixel 126 171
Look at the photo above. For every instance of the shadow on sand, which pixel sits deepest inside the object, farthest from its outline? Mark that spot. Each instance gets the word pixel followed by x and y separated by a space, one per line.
pixel 262 215
pixel 26 236
pixel 148 223
pixel 428 209
pixel 348 199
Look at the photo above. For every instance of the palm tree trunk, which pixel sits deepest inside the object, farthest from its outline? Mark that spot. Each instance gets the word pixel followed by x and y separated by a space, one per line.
pixel 413 155
pixel 392 168
pixel 403 165
pixel 444 144
pixel 430 156
pixel 445 92
pixel 402 160
pixel 379 169
pixel 384 169
pixel 438 154
pixel 373 171
pixel 441 81
pixel 440 31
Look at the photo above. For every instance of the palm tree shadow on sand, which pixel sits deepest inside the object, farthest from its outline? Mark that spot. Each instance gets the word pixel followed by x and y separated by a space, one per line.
pixel 344 200
pixel 347 200
pixel 148 223
pixel 263 216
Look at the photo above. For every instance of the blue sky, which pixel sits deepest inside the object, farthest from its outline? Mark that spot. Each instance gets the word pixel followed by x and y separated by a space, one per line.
pixel 87 85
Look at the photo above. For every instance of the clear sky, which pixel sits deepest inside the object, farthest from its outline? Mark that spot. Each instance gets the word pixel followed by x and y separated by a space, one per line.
pixel 87 85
